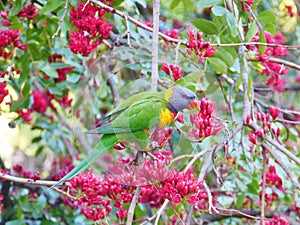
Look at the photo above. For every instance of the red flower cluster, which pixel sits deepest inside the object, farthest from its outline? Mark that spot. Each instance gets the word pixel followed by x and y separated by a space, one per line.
pixel 9 39
pixel 204 123
pixel 272 180
pixel 265 121
pixel 156 180
pixel 27 174
pixel 271 69
pixel 277 220
pixel 40 101
pixel 162 136
pixel 172 70
pixel 3 90
pixel 198 45
pixel 92 28
pixel 172 33
pixel 182 185
pixel 25 114
pixel 28 12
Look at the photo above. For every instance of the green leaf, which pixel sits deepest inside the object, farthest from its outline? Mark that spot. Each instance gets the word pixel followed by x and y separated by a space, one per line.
pixel 189 78
pixel 206 26
pixel 22 103
pixel 117 2
pixel 58 89
pixel 250 86
pixel 262 48
pixel 217 64
pixel 267 17
pixel 16 222
pixel 174 4
pixel 239 82
pixel 17 6
pixel 47 68
pixel 240 200
pixel 232 22
pixel 251 32
pixel 36 139
pixel 52 5
pixel 219 10
pixel 208 3
pixel 253 187
pixel 189 5
pixel 225 56
pixel 26 88
pixel 270 28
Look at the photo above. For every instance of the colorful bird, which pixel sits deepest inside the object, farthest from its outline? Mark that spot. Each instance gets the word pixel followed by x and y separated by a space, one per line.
pixel 133 119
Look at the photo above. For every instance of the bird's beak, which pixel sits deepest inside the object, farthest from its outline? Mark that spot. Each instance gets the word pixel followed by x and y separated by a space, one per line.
pixel 192 105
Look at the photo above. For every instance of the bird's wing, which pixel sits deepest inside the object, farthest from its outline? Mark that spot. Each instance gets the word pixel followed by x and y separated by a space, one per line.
pixel 131 116
pixel 142 115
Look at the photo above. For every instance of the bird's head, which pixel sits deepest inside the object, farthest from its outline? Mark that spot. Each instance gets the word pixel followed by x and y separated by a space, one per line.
pixel 181 98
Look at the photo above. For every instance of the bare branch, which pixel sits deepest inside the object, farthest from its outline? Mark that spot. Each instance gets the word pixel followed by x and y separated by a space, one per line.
pixel 44 183
pixel 61 19
pixel 262 210
pixel 156 8
pixel 132 206
pixel 283 62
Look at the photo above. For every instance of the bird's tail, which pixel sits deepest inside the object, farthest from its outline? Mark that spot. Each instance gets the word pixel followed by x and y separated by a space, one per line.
pixel 104 144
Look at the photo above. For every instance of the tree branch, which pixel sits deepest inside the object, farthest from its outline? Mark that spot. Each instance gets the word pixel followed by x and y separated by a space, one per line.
pixel 154 77
pixel 44 183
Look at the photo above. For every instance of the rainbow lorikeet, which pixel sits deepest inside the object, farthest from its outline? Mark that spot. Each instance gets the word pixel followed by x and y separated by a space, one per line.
pixel 133 119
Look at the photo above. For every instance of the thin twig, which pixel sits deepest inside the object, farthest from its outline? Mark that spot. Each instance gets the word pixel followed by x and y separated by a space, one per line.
pixel 262 210
pixel 132 205
pixel 281 61
pixel 61 19
pixel 154 77
pixel 210 201
pixel 127 31
pixel 159 212
pixel 45 183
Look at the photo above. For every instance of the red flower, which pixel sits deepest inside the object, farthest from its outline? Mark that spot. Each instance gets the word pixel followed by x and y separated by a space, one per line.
pixel 91 26
pixel 40 101
pixel 29 12
pixel 204 123
pixel 252 137
pixel 79 43
pixel 274 112
pixel 172 33
pixel 9 39
pixel 62 73
pixel 25 114
pixel 3 91
pixel 198 45
pixel 172 70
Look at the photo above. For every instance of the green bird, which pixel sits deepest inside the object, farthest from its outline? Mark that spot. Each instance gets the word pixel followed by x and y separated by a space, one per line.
pixel 133 119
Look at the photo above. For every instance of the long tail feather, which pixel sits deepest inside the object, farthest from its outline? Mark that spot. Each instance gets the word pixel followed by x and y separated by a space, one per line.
pixel 97 152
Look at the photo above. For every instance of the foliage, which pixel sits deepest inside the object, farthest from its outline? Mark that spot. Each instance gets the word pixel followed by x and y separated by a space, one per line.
pixel 65 64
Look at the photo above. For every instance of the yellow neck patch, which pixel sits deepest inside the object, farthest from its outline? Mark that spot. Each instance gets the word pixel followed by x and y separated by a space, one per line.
pixel 165 117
